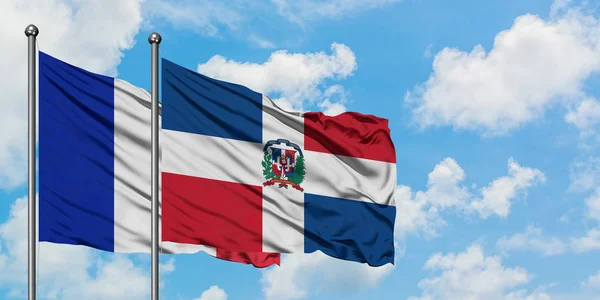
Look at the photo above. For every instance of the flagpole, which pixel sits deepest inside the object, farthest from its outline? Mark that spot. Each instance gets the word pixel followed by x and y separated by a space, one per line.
pixel 154 39
pixel 31 32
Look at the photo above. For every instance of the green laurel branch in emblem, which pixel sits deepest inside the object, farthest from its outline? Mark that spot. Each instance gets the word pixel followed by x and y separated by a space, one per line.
pixel 266 163
pixel 299 171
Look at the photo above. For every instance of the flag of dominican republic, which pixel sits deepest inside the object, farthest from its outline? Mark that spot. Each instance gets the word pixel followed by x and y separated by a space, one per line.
pixel 94 165
pixel 240 173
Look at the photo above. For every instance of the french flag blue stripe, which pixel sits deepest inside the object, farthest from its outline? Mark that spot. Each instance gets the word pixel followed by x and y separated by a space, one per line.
pixel 202 105
pixel 349 230
pixel 76 154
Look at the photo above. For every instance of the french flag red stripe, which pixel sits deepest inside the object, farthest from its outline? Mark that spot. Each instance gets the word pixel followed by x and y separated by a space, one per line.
pixel 349 134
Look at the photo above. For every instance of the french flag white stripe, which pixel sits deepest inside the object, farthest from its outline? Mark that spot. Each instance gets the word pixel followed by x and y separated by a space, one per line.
pixel 132 203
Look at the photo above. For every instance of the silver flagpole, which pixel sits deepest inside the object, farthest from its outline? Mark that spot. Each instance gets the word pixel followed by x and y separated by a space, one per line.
pixel 31 32
pixel 154 39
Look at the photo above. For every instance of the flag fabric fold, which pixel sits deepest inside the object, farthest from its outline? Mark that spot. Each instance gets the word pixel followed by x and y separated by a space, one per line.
pixel 266 180
pixel 94 165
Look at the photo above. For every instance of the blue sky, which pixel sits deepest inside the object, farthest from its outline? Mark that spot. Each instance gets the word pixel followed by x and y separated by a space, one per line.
pixel 493 109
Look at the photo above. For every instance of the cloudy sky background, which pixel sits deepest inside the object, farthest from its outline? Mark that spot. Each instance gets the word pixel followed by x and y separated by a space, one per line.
pixel 493 106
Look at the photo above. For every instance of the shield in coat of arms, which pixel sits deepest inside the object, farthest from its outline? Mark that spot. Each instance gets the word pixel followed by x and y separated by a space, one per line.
pixel 283 164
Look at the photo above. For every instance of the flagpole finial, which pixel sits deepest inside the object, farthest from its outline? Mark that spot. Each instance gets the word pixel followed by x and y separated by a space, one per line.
pixel 154 38
pixel 32 30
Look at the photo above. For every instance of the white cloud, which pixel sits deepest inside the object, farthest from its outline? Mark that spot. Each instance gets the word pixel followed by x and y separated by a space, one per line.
pixel 524 295
pixel 496 197
pixel 331 109
pixel 335 97
pixel 68 30
pixel 585 175
pixel 443 184
pixel 168 266
pixel 585 116
pixel 531 66
pixel 295 78
pixel 217 18
pixel 565 218
pixel 300 274
pixel 589 242
pixel 420 211
pixel 302 11
pixel 117 278
pixel 213 293
pixel 533 240
pixel 593 282
pixel 262 43
pixel 415 214
pixel 66 271
pixel 428 51
pixel 559 6
pixel 201 16
pixel 593 205
pixel 472 275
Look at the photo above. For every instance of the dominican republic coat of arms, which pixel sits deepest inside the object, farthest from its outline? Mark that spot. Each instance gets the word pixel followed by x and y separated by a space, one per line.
pixel 283 164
